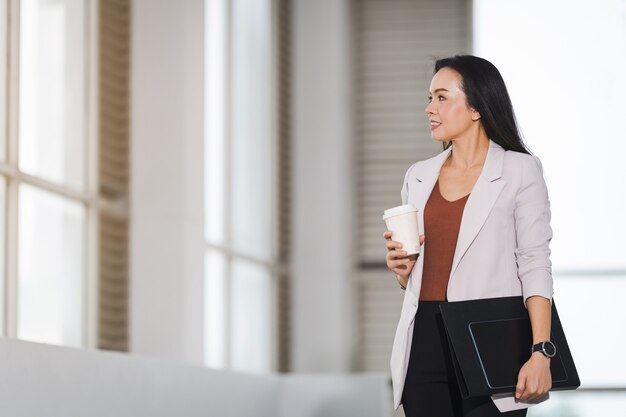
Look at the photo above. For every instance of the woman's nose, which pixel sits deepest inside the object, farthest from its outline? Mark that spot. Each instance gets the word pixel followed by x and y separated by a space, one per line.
pixel 429 108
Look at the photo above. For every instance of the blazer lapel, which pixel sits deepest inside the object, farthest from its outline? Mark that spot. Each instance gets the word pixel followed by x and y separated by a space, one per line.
pixel 425 176
pixel 481 200
pixel 421 185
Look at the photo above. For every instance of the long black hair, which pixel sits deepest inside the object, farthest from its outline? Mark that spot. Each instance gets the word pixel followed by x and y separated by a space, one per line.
pixel 487 94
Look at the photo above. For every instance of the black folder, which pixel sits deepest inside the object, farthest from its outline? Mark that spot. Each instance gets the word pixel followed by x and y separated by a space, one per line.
pixel 490 340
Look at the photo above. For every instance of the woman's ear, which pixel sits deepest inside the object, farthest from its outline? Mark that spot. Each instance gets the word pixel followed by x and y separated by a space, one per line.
pixel 475 115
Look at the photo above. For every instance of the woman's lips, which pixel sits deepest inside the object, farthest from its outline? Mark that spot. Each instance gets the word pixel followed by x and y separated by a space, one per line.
pixel 434 125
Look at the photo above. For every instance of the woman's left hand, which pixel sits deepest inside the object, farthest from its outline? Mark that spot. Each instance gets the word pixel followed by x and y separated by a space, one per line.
pixel 534 379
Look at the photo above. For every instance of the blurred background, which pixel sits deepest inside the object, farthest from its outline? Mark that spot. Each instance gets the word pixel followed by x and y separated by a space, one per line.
pixel 203 181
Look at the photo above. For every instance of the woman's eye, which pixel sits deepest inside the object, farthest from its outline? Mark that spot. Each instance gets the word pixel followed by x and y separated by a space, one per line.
pixel 440 98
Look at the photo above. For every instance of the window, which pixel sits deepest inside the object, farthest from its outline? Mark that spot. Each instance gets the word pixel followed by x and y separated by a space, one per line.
pixel 3 146
pixel 50 144
pixel 241 197
pixel 54 188
pixel 44 170
pixel 566 81
pixel 3 79
pixel 52 91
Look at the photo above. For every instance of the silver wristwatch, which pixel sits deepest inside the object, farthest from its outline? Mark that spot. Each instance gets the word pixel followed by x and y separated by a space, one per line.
pixel 547 348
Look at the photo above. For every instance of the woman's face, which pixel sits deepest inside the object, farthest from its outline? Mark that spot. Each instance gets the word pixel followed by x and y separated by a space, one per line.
pixel 448 112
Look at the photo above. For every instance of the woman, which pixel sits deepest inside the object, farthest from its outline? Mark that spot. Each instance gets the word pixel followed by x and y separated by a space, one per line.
pixel 484 209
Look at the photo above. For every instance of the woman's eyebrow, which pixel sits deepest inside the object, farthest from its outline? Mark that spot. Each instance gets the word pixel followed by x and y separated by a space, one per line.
pixel 439 89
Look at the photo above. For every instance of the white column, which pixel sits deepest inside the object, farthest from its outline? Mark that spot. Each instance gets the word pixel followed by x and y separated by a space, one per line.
pixel 167 241
pixel 322 191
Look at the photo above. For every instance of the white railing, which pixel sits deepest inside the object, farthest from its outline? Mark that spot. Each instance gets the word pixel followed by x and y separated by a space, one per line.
pixel 50 381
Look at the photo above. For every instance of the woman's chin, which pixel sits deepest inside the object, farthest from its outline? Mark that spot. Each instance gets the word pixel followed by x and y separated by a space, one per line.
pixel 437 138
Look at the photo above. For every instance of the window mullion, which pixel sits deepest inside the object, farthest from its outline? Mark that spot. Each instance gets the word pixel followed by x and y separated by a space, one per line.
pixel 91 167
pixel 10 320
pixel 11 292
pixel 228 178
pixel 11 170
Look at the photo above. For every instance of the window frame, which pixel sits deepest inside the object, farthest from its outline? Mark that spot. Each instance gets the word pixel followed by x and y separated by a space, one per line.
pixel 274 266
pixel 88 196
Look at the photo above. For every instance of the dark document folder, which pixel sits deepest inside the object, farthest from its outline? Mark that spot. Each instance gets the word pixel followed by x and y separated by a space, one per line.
pixel 490 340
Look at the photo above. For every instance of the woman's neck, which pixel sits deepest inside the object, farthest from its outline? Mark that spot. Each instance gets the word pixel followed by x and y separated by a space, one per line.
pixel 469 152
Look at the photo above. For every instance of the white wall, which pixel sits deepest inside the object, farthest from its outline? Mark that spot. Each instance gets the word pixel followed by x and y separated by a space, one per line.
pixel 322 328
pixel 167 241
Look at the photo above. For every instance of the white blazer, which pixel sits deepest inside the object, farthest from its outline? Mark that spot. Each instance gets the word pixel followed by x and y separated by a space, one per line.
pixel 502 248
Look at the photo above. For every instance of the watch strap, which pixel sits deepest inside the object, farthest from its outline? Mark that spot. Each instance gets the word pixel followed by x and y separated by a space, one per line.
pixel 541 347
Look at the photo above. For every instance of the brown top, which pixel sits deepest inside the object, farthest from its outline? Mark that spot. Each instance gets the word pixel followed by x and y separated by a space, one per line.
pixel 442 220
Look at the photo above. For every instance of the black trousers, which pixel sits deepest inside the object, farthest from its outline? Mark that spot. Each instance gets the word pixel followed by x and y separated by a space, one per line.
pixel 430 388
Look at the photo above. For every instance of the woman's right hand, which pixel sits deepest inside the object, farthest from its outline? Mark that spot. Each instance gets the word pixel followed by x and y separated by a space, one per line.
pixel 397 260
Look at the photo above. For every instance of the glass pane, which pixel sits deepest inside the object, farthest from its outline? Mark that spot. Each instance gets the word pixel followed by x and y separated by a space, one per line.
pixel 51 239
pixel 3 78
pixel 253 140
pixel 251 317
pixel 215 118
pixel 582 161
pixel 52 85
pixel 601 319
pixel 3 204
pixel 215 309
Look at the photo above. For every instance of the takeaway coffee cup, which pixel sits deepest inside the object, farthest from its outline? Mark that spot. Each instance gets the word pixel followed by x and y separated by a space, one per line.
pixel 402 222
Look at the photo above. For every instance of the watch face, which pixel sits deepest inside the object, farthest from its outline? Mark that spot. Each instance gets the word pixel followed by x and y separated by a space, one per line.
pixel 549 348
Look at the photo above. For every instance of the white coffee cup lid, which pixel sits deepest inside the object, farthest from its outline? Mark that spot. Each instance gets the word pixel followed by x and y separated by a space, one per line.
pixel 395 211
